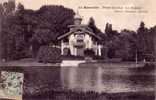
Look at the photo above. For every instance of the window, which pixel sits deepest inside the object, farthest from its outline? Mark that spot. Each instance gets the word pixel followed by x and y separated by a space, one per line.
pixel 80 37
pixel 79 40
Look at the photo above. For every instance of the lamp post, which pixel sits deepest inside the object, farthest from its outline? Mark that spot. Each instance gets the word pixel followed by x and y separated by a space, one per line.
pixel 136 58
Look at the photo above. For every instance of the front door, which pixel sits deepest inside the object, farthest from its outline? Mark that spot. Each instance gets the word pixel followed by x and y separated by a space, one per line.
pixel 80 52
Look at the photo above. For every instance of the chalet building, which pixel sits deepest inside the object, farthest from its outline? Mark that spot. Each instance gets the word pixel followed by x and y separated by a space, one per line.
pixel 79 38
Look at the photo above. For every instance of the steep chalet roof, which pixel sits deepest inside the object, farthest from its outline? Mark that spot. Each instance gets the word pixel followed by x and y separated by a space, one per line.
pixel 79 29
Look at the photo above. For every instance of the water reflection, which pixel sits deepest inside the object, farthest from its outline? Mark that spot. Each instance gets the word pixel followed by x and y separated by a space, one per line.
pixel 105 79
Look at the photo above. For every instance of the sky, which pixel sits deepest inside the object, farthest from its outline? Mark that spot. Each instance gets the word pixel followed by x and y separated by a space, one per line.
pixel 122 14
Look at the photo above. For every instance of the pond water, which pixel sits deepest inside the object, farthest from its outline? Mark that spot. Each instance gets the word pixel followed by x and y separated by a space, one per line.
pixel 99 79
pixel 109 80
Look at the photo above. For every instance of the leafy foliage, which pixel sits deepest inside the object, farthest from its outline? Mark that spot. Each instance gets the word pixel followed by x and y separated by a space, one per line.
pixel 95 29
pixel 127 49
pixel 127 44
pixel 145 41
pixel 12 37
pixel 89 52
pixel 92 25
pixel 1 10
pixel 53 20
pixel 48 54
pixel 27 29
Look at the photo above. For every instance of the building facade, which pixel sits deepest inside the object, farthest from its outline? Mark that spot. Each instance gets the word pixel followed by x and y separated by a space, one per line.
pixel 79 38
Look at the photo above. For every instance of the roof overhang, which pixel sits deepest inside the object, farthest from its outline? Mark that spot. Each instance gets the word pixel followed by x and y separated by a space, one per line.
pixel 85 31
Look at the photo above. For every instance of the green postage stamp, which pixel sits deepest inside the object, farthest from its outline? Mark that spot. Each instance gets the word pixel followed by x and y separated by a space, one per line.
pixel 11 85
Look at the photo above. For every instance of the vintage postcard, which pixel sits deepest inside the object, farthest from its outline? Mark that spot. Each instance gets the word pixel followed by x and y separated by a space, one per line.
pixel 77 50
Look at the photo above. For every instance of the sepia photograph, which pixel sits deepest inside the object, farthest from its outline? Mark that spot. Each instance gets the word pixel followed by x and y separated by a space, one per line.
pixel 77 50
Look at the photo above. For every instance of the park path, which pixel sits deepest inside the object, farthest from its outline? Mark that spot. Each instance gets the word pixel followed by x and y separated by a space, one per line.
pixel 72 63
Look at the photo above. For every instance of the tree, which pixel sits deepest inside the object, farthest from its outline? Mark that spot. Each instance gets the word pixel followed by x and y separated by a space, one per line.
pixel 6 9
pixel 20 7
pixel 1 18
pixel 52 21
pixel 112 40
pixel 127 45
pixel 112 44
pixel 92 25
pixel 152 42
pixel 96 30
pixel 28 28
pixel 145 42
pixel 1 10
pixel 121 45
pixel 55 18
pixel 142 42
pixel 108 29
pixel 13 36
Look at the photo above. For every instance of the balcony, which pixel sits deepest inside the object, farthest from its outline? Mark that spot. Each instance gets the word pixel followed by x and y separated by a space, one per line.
pixel 79 44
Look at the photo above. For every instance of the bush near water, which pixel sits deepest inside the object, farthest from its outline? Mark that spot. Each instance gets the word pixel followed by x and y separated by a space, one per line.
pixel 48 54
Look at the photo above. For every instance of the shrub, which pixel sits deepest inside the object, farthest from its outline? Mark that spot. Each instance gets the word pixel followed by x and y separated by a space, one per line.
pixel 89 52
pixel 95 57
pixel 48 54
pixel 104 52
